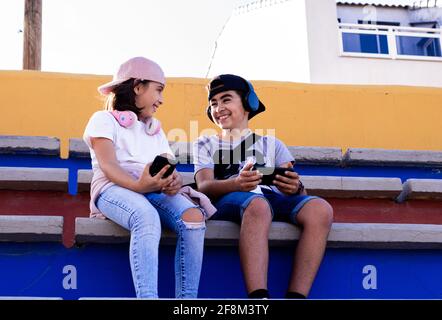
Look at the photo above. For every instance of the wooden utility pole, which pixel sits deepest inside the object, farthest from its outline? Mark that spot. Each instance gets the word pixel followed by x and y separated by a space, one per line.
pixel 32 35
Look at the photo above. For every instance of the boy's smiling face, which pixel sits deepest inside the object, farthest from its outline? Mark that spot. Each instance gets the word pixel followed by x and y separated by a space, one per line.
pixel 227 110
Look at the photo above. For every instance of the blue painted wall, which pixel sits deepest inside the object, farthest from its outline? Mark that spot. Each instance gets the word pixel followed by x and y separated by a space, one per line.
pixel 102 270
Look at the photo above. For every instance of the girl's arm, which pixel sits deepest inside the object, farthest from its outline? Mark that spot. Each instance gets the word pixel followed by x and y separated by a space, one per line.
pixel 107 159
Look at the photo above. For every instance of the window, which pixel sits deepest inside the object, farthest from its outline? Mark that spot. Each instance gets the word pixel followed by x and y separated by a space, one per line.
pixel 385 39
pixel 365 43
pixel 418 46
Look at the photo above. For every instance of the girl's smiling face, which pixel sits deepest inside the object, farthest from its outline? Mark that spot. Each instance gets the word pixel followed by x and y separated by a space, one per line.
pixel 148 98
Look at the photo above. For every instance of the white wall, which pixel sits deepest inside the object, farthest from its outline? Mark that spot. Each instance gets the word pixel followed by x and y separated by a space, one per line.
pixel 298 41
pixel 351 14
pixel 269 42
pixel 328 67
pixel 322 33
pixel 427 14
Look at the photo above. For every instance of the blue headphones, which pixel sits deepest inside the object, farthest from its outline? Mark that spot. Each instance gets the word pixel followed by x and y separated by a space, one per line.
pixel 251 98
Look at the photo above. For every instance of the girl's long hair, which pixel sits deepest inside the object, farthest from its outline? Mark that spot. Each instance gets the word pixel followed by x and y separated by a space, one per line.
pixel 122 96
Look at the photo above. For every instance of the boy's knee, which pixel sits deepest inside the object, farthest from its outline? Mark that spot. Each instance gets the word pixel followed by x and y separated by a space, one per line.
pixel 258 208
pixel 321 215
pixel 325 214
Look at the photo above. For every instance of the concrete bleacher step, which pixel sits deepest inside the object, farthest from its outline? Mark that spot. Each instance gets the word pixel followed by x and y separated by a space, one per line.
pixel 30 145
pixel 21 178
pixel 27 228
pixel 56 179
pixel 184 152
pixel 342 235
pixel 316 155
pixel 99 230
pixel 324 186
pixel 78 148
pixel 386 236
pixel 352 187
pixel 415 158
pixel 85 178
pixel 421 189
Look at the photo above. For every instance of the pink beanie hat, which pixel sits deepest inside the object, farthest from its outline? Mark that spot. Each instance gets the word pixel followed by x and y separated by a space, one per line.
pixel 138 68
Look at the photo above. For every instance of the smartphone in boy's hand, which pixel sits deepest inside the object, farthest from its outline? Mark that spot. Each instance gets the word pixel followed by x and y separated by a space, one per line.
pixel 158 163
pixel 269 174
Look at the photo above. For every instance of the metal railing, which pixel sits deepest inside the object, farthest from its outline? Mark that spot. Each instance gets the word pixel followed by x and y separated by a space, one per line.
pixel 391 42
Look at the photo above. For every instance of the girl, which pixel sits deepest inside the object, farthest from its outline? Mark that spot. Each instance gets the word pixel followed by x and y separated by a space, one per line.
pixel 123 141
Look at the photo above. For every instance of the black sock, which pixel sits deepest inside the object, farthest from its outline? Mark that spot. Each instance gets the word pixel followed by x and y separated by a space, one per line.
pixel 294 295
pixel 259 294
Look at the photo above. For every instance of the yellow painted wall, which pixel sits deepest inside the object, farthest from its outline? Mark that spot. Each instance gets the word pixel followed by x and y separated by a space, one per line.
pixel 390 117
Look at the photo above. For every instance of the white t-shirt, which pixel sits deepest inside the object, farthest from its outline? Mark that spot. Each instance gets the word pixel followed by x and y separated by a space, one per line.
pixel 134 148
pixel 268 150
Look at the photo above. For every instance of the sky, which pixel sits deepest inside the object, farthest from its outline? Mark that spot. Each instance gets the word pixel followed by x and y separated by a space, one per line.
pixel 95 36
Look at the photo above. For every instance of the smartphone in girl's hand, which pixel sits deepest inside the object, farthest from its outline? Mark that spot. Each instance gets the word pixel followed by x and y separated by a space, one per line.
pixel 158 163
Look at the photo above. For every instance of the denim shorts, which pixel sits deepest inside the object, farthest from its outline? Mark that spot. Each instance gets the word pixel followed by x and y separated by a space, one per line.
pixel 283 208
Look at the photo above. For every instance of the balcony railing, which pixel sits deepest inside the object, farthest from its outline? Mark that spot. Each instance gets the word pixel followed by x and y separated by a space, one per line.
pixel 390 42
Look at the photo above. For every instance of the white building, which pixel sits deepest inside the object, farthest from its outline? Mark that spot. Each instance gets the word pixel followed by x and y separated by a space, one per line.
pixel 329 41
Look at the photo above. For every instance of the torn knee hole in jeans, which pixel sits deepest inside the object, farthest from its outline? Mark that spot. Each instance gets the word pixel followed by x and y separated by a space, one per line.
pixel 194 225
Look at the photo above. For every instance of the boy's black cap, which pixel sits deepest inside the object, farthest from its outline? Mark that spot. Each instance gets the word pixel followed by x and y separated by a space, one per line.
pixel 226 82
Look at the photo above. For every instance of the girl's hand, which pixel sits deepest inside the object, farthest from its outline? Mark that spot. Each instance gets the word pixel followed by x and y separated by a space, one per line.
pixel 146 183
pixel 248 180
pixel 173 188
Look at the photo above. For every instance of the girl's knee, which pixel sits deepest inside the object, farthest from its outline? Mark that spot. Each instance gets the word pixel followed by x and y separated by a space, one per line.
pixel 144 217
pixel 192 215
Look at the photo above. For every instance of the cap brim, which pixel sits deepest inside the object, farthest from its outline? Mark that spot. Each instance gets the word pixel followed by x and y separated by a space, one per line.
pixel 107 87
pixel 260 109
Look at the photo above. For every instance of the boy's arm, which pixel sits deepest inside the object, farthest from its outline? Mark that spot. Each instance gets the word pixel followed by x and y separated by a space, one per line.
pixel 246 181
pixel 207 184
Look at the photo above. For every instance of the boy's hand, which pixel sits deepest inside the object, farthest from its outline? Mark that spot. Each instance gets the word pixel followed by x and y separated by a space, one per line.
pixel 247 180
pixel 172 188
pixel 288 184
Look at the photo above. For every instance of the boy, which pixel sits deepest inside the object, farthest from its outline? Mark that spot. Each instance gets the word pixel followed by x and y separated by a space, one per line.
pixel 225 170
